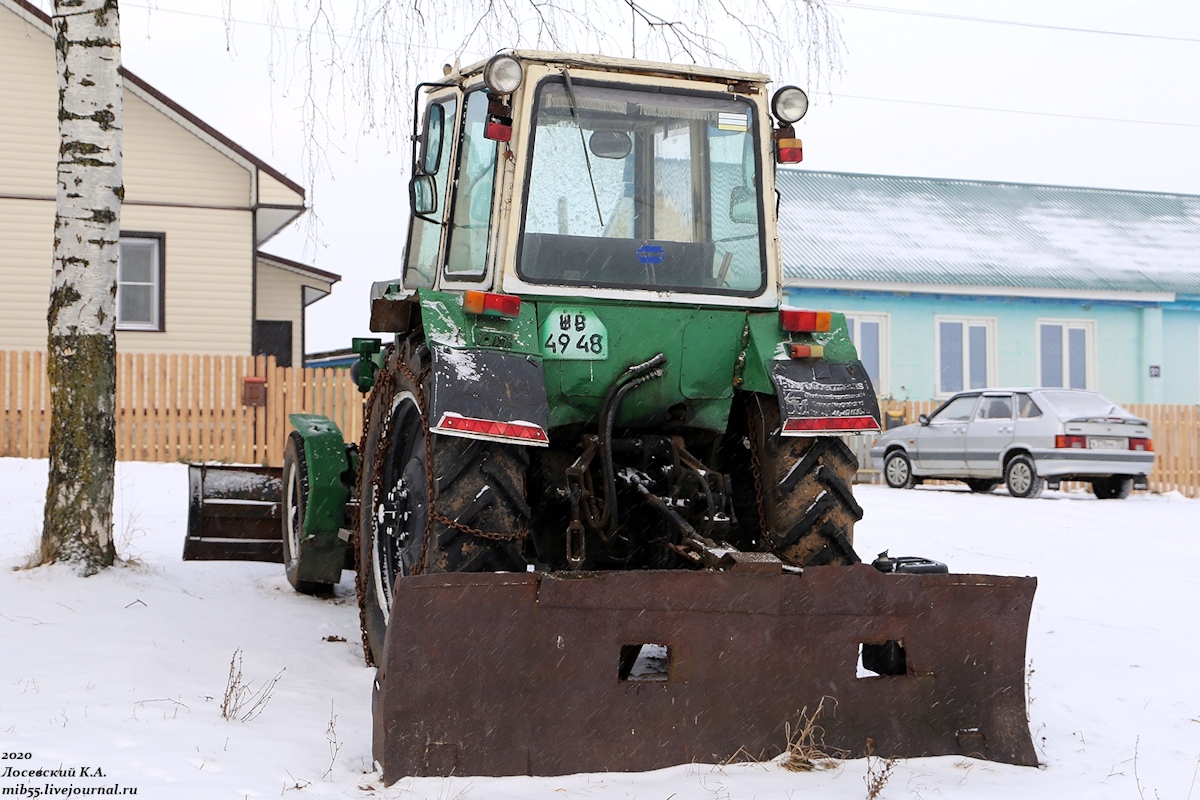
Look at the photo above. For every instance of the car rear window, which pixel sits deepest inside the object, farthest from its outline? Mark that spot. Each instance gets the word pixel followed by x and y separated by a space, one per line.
pixel 1083 405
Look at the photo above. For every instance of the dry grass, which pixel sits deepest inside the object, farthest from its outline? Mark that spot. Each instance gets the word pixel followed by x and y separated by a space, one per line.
pixel 242 702
pixel 806 749
pixel 879 772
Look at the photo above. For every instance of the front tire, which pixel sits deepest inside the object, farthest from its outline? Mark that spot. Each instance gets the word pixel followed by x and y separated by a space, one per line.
pixel 808 508
pixel 413 523
pixel 295 501
pixel 1021 478
pixel 897 470
pixel 1118 487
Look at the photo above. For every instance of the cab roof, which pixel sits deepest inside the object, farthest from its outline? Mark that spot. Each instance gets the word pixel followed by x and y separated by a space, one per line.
pixel 612 64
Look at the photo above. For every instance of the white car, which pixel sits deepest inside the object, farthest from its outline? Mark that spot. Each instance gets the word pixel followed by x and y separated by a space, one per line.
pixel 1024 438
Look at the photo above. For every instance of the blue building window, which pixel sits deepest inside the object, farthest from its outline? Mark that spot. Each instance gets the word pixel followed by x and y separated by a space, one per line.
pixel 1066 353
pixel 964 353
pixel 869 333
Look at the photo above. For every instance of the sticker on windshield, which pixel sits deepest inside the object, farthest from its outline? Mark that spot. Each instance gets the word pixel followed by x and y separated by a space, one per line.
pixel 573 334
pixel 728 121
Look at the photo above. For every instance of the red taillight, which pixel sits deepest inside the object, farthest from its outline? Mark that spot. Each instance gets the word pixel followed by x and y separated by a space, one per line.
pixel 1141 444
pixel 806 351
pixel 798 320
pixel 789 151
pixel 491 304
pixel 511 431
pixel 1070 441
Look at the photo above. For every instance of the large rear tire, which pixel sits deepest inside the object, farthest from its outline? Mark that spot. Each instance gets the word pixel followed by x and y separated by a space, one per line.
pixel 465 512
pixel 805 484
pixel 295 501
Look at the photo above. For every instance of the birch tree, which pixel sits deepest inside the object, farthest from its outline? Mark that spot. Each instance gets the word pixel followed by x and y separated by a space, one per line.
pixel 77 526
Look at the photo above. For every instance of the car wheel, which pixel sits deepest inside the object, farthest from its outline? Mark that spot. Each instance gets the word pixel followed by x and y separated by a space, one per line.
pixel 897 471
pixel 1118 487
pixel 982 485
pixel 1021 478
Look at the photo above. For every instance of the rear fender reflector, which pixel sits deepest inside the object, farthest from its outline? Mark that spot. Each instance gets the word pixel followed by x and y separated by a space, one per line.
pixel 475 428
pixel 813 425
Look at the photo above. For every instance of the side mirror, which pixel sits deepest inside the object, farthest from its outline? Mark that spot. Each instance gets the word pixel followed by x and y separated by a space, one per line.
pixel 422 193
pixel 610 144
pixel 923 419
pixel 743 205
pixel 431 145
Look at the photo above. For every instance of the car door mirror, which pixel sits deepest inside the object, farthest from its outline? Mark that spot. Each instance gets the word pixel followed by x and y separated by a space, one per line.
pixel 923 419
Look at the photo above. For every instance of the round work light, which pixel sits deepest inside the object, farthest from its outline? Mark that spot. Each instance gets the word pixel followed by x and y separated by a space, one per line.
pixel 503 74
pixel 789 104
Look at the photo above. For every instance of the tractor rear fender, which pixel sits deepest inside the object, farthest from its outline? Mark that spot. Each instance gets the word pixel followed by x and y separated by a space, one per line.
pixel 488 394
pixel 829 394
pixel 818 398
pixel 330 471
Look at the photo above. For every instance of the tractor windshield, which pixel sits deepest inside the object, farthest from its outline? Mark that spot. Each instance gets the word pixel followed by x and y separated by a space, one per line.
pixel 643 188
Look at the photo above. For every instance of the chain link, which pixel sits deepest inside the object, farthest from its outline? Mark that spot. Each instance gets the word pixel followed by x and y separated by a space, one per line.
pixel 764 530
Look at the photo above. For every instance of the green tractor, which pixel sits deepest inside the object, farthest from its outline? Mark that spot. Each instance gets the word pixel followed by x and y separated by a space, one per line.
pixel 602 513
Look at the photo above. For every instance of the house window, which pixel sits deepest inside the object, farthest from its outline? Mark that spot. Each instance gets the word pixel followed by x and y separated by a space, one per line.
pixel 1067 355
pixel 966 356
pixel 869 333
pixel 139 282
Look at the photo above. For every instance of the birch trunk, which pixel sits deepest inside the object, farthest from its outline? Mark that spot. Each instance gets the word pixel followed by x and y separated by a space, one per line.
pixel 77 527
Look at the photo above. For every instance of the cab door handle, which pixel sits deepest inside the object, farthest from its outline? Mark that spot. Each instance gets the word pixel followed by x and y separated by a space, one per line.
pixel 1006 429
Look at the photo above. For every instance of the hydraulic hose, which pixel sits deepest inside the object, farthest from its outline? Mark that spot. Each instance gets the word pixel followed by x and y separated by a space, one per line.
pixel 632 378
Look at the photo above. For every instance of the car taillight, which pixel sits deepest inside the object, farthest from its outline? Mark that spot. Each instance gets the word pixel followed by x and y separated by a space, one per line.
pixel 491 304
pixel 1071 441
pixel 798 320
pixel 1141 444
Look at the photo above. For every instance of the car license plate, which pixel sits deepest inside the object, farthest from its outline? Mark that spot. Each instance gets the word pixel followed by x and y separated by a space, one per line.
pixel 573 334
pixel 1107 443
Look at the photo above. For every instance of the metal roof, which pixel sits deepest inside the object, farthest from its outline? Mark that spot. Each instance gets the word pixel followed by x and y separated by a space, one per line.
pixel 840 228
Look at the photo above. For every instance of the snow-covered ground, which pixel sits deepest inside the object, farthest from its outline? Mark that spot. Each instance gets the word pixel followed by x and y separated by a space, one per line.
pixel 125 672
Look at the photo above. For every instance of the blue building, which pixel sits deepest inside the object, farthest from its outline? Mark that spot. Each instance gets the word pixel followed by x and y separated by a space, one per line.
pixel 951 284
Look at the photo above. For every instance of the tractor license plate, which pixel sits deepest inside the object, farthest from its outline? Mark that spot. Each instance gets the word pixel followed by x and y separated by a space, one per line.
pixel 1107 443
pixel 573 334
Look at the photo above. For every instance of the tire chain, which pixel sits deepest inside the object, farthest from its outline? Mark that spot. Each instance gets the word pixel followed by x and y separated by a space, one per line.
pixel 768 537
pixel 384 378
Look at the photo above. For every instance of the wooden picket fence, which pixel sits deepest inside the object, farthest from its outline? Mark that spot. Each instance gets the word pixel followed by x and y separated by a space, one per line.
pixel 182 407
pixel 189 408
pixel 1175 428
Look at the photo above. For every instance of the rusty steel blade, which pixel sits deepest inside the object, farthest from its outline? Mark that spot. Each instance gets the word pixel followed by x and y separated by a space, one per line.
pixel 515 674
pixel 234 513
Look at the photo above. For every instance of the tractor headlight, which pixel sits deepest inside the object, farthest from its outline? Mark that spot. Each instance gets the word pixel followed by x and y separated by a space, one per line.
pixel 503 74
pixel 789 104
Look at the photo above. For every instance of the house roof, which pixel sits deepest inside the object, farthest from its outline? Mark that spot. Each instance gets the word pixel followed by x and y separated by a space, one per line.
pixel 842 229
pixel 298 267
pixel 223 142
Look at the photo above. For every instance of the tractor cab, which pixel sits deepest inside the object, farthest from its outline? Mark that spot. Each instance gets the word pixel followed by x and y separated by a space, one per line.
pixel 547 174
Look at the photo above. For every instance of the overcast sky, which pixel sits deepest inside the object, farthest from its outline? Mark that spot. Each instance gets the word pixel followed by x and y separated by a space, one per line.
pixel 1100 93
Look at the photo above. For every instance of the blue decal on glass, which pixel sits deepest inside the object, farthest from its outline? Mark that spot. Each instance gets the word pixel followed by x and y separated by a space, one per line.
pixel 650 254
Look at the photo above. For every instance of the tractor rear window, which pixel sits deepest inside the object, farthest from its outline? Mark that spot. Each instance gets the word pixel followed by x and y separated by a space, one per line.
pixel 643 189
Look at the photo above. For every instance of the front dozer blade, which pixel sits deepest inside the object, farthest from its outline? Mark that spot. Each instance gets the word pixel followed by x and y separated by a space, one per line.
pixel 528 674
pixel 233 513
